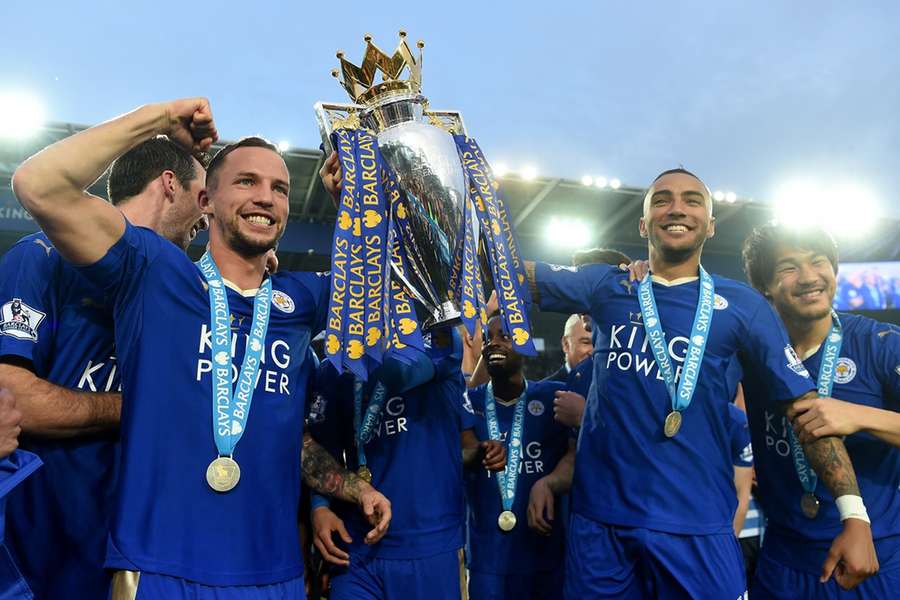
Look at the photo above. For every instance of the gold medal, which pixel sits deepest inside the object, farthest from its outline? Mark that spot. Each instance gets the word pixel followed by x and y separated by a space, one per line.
pixel 364 473
pixel 809 504
pixel 672 424
pixel 507 520
pixel 223 474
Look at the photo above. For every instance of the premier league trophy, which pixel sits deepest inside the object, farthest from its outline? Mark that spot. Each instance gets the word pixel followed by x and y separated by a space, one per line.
pixel 418 207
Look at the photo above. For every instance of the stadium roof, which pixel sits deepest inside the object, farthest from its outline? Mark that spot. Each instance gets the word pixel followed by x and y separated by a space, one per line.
pixel 610 215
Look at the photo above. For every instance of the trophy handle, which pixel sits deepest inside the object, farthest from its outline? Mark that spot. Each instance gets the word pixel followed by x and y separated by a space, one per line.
pixel 450 121
pixel 331 116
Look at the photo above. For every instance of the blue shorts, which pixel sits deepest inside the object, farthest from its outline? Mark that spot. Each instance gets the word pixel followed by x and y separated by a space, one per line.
pixel 546 585
pixel 440 577
pixel 132 585
pixel 604 561
pixel 12 583
pixel 776 581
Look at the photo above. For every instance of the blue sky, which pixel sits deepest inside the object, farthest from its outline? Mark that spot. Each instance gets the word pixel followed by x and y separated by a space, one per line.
pixel 747 94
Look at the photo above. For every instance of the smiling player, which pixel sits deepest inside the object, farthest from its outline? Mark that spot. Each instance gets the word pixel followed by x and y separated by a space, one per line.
pixel 653 493
pixel 208 497
pixel 855 359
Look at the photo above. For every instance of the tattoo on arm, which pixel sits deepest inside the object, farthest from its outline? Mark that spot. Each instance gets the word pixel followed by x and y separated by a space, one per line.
pixel 829 459
pixel 532 281
pixel 323 474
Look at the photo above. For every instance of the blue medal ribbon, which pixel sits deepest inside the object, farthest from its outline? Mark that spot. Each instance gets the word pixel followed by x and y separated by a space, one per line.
pixel 482 193
pixel 344 140
pixel 405 333
pixel 374 236
pixel 700 330
pixel 229 412
pixel 825 383
pixel 365 425
pixel 355 308
pixel 509 477
pixel 469 281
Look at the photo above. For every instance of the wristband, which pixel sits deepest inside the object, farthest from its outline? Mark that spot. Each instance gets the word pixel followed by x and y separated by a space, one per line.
pixel 318 501
pixel 852 507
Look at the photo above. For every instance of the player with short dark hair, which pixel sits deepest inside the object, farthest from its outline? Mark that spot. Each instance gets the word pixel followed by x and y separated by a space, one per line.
pixel 207 498
pixel 507 559
pixel 653 493
pixel 855 360
pixel 62 367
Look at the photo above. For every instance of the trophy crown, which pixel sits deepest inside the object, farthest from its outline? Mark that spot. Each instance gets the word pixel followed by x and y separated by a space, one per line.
pixel 359 81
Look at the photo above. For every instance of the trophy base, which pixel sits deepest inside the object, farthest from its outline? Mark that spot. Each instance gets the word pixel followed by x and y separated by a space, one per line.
pixel 446 315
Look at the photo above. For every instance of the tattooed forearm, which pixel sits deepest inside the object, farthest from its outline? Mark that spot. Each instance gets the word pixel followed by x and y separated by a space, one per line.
pixel 532 281
pixel 323 474
pixel 829 459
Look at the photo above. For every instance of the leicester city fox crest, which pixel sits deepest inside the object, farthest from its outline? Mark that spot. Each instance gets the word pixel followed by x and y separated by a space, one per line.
pixel 20 321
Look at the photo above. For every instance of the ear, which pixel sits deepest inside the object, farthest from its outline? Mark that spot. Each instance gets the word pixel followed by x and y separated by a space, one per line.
pixel 642 228
pixel 205 202
pixel 564 343
pixel 712 228
pixel 169 182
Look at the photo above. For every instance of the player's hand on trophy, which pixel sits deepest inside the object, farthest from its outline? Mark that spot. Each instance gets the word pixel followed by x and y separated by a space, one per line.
pixel 10 417
pixel 494 454
pixel 814 418
pixel 493 304
pixel 471 343
pixel 568 408
pixel 331 176
pixel 637 269
pixel 325 524
pixel 851 558
pixel 540 507
pixel 377 510
pixel 189 122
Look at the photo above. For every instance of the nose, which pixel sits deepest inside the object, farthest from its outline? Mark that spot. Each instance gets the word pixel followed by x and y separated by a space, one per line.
pixel 676 209
pixel 806 274
pixel 264 196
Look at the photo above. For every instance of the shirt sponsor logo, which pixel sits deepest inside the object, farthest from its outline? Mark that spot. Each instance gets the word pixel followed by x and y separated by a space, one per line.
pixel 794 363
pixel 282 301
pixel 536 407
pixel 719 303
pixel 20 321
pixel 845 370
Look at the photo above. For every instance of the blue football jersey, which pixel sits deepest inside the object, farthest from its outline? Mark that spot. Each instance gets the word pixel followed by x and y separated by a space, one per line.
pixel 580 378
pixel 60 322
pixel 626 471
pixel 167 519
pixel 868 373
pixel 741 449
pixel 544 441
pixel 415 458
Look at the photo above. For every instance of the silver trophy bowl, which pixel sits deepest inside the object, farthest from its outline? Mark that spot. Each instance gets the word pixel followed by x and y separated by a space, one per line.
pixel 417 145
pixel 427 165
